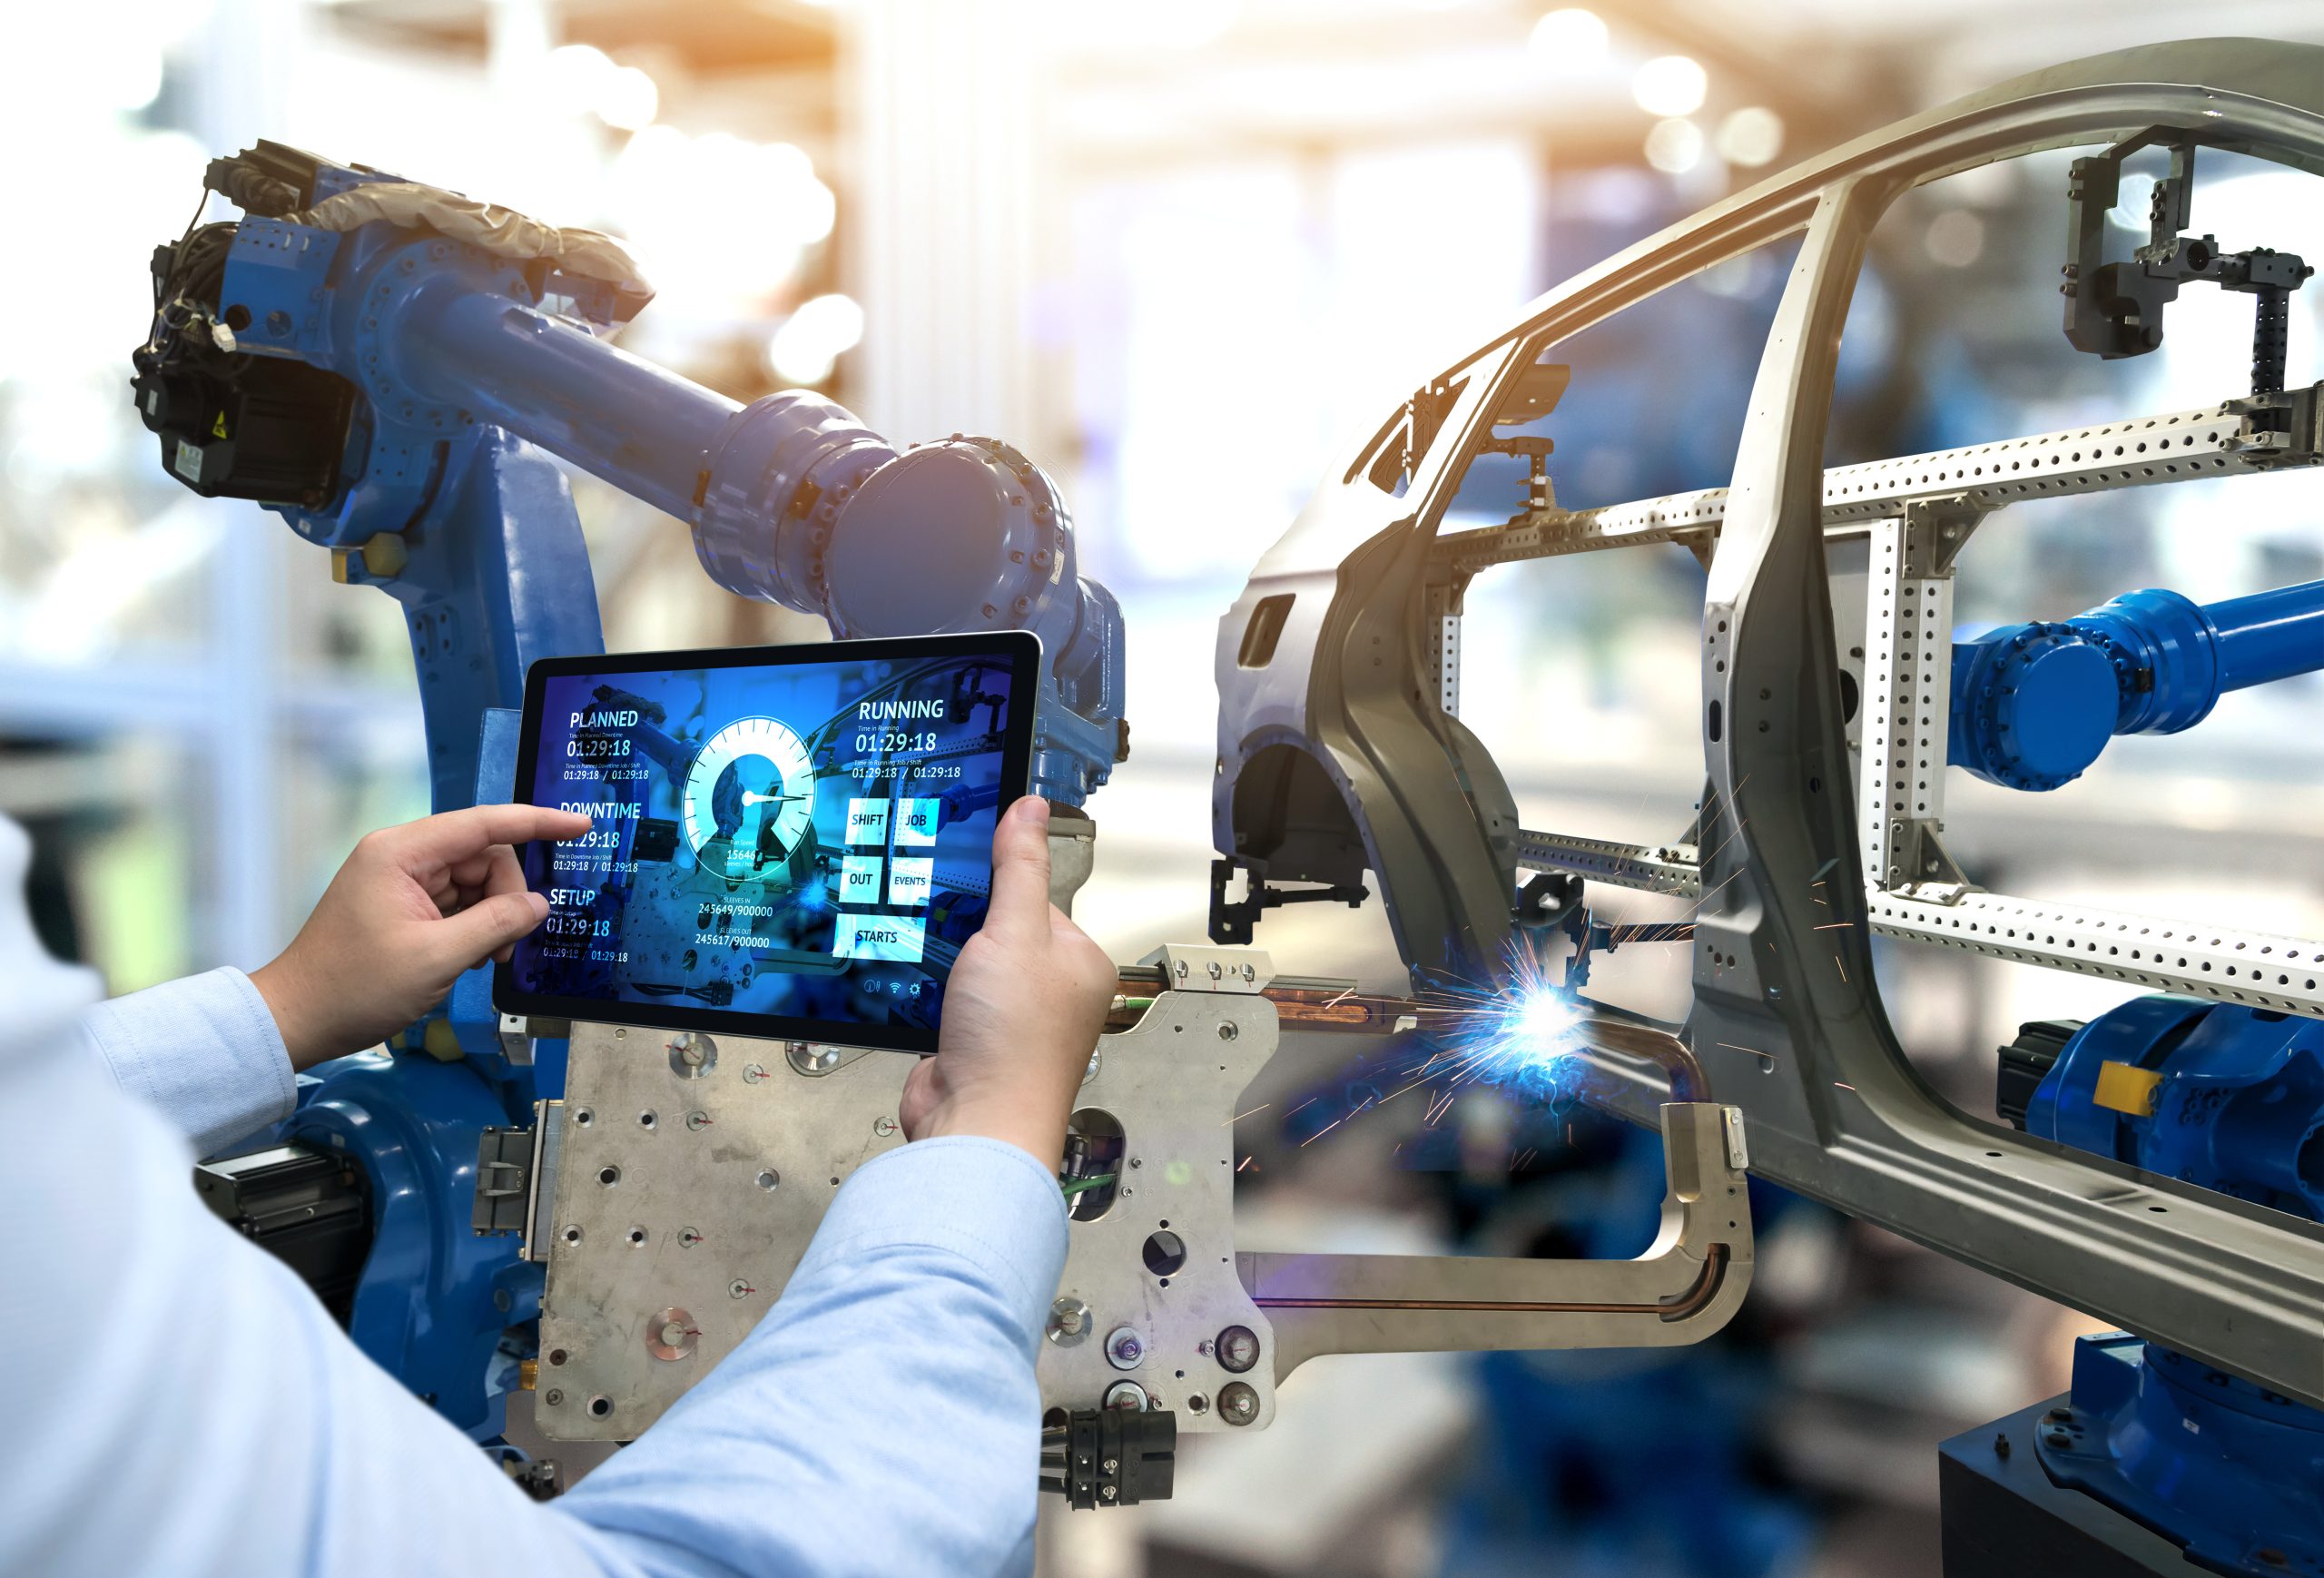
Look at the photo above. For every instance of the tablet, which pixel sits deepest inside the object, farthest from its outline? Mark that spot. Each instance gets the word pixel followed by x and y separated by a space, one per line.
pixel 791 842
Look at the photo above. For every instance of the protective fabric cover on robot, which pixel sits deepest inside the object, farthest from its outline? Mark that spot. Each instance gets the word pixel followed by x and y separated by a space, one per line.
pixel 501 232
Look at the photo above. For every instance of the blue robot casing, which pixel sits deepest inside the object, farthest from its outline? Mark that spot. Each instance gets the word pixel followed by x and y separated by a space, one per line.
pixel 2230 1098
pixel 2224 1097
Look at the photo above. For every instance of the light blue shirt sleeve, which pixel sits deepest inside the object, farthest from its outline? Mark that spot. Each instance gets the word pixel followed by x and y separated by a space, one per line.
pixel 178 1403
pixel 205 1051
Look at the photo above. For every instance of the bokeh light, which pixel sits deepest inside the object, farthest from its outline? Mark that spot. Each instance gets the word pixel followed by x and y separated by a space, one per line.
pixel 1671 85
pixel 1674 147
pixel 1749 137
pixel 581 79
pixel 1571 39
pixel 813 339
pixel 1956 238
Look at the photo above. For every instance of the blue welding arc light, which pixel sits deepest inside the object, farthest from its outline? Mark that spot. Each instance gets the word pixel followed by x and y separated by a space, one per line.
pixel 2034 705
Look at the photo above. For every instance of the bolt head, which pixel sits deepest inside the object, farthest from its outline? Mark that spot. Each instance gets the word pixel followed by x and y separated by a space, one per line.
pixel 1068 1321
pixel 1125 1348
pixel 1239 1404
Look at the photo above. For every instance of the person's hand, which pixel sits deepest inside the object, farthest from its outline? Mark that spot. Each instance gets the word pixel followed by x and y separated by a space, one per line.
pixel 1021 1011
pixel 413 907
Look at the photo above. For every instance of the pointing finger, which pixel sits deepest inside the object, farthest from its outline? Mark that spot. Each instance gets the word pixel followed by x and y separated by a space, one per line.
pixel 451 837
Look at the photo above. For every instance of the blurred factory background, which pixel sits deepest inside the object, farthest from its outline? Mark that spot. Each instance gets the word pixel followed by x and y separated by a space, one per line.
pixel 1187 254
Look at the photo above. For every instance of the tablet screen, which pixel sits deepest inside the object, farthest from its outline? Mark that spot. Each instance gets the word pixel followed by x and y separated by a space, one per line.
pixel 789 841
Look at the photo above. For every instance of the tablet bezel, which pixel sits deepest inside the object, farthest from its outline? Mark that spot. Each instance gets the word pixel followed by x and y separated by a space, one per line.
pixel 1021 648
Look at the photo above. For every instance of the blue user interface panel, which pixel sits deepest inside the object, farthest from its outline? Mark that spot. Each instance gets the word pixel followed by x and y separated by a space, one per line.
pixel 788 841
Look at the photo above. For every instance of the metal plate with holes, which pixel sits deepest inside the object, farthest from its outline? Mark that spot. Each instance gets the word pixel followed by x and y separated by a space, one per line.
pixel 711 1217
pixel 705 1208
pixel 1170 1081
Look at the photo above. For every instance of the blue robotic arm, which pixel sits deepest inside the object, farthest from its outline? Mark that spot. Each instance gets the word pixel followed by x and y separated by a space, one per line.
pixel 364 355
pixel 2034 705
pixel 382 363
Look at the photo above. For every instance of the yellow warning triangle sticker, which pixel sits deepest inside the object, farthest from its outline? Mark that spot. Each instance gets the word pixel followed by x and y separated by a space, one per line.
pixel 218 428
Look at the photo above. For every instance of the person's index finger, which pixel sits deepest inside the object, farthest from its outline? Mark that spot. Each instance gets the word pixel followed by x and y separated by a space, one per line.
pixel 1021 869
pixel 456 836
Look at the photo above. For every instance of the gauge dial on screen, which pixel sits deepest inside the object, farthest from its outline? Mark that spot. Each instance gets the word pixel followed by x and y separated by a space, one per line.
pixel 750 801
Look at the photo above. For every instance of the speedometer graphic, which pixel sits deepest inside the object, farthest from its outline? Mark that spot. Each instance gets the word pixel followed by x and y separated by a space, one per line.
pixel 749 801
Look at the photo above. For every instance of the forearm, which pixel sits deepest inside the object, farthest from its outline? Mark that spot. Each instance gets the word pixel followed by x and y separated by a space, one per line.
pixel 883 1418
pixel 207 1417
pixel 203 1050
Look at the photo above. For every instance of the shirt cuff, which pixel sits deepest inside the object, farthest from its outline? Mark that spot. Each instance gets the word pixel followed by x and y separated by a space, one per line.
pixel 985 1200
pixel 203 1050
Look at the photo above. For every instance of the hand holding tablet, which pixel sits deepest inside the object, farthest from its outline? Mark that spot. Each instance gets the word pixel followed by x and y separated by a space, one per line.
pixel 784 842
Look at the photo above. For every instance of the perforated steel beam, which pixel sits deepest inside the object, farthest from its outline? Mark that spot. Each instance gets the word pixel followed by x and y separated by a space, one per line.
pixel 1669 868
pixel 2220 440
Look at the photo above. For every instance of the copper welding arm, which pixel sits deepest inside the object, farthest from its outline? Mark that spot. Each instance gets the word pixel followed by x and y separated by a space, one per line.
pixel 1336 1005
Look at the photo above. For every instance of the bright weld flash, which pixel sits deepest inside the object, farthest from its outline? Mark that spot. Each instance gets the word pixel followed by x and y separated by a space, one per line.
pixel 1520 1033
pixel 1526 1041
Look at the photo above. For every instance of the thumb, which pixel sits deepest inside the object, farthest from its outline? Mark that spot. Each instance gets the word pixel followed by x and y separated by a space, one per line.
pixel 482 929
pixel 1021 871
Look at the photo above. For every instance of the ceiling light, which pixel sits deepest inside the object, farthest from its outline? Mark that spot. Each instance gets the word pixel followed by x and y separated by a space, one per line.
pixel 1669 85
pixel 627 100
pixel 1568 39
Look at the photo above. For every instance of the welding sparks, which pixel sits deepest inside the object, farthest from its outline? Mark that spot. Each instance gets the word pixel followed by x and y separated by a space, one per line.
pixel 1326 1129
pixel 1521 1035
